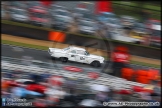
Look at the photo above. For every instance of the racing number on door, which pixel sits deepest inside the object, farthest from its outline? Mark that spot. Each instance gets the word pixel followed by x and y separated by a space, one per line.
pixel 82 58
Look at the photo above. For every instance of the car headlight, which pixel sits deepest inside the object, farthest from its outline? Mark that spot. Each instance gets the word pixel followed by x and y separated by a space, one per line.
pixel 102 58
pixel 49 51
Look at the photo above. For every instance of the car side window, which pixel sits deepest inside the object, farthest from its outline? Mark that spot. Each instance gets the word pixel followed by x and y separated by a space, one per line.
pixel 73 51
pixel 85 53
pixel 80 52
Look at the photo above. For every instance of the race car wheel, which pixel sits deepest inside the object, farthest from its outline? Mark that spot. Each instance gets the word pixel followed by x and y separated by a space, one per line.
pixel 53 58
pixel 63 59
pixel 96 64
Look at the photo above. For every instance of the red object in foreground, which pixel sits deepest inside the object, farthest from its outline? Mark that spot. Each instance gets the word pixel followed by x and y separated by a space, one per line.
pixel 148 90
pixel 122 48
pixel 103 6
pixel 137 89
pixel 141 89
pixel 121 55
pixel 13 83
pixel 36 88
pixel 93 75
pixel 73 69
pixel 126 92
pixel 56 80
pixel 46 2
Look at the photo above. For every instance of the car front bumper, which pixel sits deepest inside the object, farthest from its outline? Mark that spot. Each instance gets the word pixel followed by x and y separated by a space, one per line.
pixel 49 52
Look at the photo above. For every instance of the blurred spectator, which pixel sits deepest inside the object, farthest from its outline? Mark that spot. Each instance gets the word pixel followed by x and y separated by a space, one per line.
pixel 36 77
pixel 107 33
pixel 100 29
pixel 18 92
pixel 71 84
pixel 120 58
pixel 101 97
pixel 144 96
pixel 40 102
pixel 157 90
pixel 54 94
pixel 89 103
pixel 116 98
pixel 45 76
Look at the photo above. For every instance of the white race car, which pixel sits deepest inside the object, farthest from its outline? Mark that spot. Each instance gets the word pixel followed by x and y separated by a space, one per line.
pixel 76 54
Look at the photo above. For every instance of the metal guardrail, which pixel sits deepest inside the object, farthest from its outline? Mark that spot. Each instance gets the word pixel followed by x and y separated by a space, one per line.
pixel 116 83
pixel 49 65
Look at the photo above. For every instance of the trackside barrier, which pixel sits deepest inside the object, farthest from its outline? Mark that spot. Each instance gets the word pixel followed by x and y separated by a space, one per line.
pixel 117 83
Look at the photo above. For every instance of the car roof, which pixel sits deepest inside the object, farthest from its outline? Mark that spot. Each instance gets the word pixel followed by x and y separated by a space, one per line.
pixel 77 48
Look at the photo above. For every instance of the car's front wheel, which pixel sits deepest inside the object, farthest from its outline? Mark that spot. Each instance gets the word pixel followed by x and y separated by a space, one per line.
pixel 64 59
pixel 96 64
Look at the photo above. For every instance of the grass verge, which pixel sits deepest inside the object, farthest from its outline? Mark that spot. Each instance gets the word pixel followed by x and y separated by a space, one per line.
pixel 46 48
pixel 88 36
pixel 133 4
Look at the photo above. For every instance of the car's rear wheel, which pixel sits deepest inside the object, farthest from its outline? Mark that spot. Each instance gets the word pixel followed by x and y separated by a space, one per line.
pixel 64 59
pixel 96 64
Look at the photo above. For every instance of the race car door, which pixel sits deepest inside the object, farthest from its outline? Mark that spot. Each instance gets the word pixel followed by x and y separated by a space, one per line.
pixel 71 55
pixel 80 57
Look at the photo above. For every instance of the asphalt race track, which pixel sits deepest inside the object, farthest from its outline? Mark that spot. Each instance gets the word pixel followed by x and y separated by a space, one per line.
pixel 19 52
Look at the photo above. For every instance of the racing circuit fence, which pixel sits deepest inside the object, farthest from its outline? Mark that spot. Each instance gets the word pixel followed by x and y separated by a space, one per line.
pixel 42 67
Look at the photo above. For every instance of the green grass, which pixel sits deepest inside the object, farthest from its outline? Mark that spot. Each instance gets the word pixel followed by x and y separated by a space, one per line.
pixel 89 36
pixel 145 64
pixel 131 3
pixel 147 6
pixel 46 48
pixel 131 11
pixel 130 7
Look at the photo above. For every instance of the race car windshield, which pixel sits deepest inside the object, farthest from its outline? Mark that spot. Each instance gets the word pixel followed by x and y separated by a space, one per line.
pixel 65 49
pixel 86 53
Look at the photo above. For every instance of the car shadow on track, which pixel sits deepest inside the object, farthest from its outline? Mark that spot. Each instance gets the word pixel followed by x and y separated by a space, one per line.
pixel 58 61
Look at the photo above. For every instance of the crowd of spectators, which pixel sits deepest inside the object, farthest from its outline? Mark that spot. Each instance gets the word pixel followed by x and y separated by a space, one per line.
pixel 37 89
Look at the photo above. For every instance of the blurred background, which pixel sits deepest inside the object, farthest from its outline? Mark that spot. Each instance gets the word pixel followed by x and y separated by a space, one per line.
pixel 139 23
pixel 133 24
